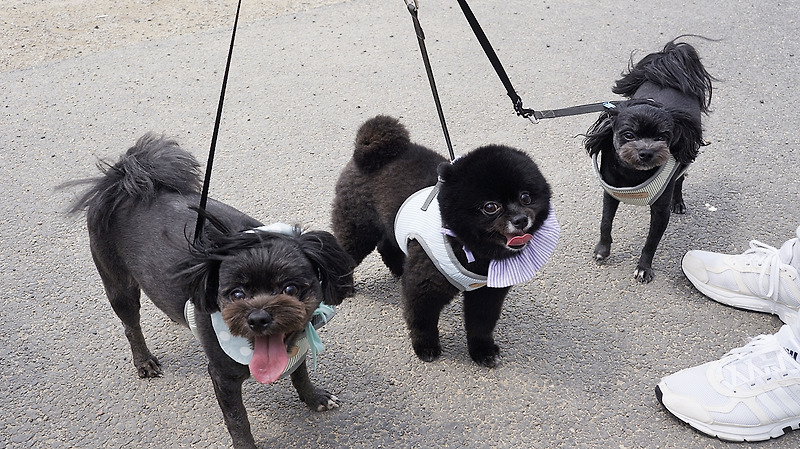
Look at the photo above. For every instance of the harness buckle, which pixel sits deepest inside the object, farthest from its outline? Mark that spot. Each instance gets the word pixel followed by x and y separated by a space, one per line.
pixel 529 114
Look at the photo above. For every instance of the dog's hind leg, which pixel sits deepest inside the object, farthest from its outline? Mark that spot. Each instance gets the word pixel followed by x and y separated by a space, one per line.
pixel 124 295
pixel 678 206
pixel 126 305
pixel 482 308
pixel 315 398
pixel 603 248
pixel 357 238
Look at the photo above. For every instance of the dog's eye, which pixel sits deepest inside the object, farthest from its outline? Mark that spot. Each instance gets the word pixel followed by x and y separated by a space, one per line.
pixel 661 139
pixel 491 208
pixel 525 198
pixel 291 290
pixel 627 135
pixel 237 294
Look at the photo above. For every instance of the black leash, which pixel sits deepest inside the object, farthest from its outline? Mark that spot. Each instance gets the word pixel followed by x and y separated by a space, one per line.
pixel 204 195
pixel 515 99
pixel 498 67
pixel 412 8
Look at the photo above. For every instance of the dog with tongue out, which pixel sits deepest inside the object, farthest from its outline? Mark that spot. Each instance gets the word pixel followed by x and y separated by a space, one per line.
pixel 256 293
pixel 477 225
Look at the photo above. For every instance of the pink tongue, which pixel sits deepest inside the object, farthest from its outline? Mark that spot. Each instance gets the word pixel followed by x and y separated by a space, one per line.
pixel 519 240
pixel 269 359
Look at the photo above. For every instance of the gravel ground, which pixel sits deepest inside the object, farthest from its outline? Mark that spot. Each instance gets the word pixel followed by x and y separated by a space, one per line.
pixel 36 31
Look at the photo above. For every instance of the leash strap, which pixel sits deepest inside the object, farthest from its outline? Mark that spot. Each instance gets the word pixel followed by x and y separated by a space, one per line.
pixel 412 8
pixel 209 164
pixel 498 67
pixel 515 99
pixel 575 110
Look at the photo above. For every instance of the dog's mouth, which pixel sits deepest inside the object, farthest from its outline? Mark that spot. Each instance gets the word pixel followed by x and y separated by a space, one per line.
pixel 516 241
pixel 270 356
pixel 638 165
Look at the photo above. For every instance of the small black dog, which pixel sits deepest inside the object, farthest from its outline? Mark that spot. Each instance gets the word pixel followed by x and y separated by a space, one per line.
pixel 493 208
pixel 267 285
pixel 645 144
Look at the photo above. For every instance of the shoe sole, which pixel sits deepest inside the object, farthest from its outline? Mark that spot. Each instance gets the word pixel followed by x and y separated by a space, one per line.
pixel 739 301
pixel 726 433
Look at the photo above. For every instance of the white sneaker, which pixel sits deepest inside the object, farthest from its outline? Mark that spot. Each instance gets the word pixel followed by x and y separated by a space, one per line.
pixel 763 278
pixel 751 394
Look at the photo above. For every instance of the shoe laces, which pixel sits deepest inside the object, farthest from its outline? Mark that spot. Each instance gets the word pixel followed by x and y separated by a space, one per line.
pixel 766 257
pixel 761 359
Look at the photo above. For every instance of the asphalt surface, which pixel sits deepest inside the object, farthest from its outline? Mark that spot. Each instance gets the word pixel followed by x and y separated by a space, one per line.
pixel 583 346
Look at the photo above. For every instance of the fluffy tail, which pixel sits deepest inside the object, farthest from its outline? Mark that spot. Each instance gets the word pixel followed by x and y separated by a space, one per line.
pixel 677 66
pixel 378 141
pixel 153 165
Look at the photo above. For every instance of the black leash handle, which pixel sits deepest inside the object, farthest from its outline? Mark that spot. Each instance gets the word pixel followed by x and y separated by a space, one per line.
pixel 209 164
pixel 413 9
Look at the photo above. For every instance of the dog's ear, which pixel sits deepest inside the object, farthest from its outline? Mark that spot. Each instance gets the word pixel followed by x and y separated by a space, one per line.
pixel 444 170
pixel 334 265
pixel 199 272
pixel 687 136
pixel 202 278
pixel 601 134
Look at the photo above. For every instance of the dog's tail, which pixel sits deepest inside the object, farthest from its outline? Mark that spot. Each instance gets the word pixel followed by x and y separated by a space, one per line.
pixel 152 165
pixel 677 66
pixel 378 141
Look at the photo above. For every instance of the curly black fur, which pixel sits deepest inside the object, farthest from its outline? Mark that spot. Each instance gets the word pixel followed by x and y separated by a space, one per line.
pixel 387 168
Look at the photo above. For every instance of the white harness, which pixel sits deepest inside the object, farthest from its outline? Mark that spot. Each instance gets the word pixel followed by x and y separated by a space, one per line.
pixel 647 192
pixel 425 226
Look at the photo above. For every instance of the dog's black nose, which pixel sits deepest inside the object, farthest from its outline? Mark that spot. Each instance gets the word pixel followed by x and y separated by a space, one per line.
pixel 646 155
pixel 258 320
pixel 520 222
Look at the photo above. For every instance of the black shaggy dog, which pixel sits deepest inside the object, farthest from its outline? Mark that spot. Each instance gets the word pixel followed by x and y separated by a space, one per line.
pixel 267 285
pixel 645 144
pixel 491 204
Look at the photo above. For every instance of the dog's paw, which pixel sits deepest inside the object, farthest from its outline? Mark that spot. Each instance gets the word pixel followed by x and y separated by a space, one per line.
pixel 601 252
pixel 149 367
pixel 643 274
pixel 679 207
pixel 427 353
pixel 485 355
pixel 321 401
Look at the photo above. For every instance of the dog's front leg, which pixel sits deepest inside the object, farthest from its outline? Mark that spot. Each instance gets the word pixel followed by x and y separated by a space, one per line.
pixel 315 398
pixel 678 206
pixel 425 292
pixel 422 309
pixel 659 218
pixel 228 389
pixel 482 309
pixel 392 256
pixel 603 248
